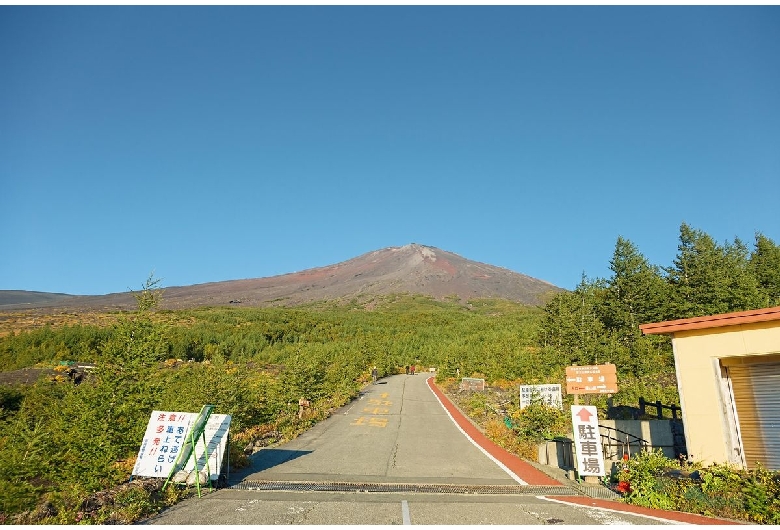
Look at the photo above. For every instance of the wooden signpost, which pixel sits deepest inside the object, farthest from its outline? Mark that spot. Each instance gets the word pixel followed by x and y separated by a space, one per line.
pixel 593 379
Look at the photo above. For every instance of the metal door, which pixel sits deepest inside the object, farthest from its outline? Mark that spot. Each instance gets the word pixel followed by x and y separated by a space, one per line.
pixel 756 393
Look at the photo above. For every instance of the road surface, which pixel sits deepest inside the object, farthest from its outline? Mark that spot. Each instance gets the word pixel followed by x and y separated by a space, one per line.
pixel 393 456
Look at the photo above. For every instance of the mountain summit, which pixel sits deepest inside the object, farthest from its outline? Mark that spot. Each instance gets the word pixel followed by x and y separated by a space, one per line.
pixel 413 268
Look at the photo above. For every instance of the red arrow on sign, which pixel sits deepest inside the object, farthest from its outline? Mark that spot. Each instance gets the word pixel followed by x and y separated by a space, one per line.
pixel 584 415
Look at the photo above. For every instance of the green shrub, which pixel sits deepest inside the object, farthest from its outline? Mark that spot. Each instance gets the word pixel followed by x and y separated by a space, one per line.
pixel 10 400
pixel 477 405
pixel 538 422
pixel 643 473
pixel 761 496
pixel 718 490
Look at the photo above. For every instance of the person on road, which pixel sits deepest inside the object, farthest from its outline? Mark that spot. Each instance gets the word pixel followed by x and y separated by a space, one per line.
pixel 374 374
pixel 411 369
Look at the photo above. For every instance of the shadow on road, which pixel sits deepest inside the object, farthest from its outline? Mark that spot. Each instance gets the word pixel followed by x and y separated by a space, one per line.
pixel 266 459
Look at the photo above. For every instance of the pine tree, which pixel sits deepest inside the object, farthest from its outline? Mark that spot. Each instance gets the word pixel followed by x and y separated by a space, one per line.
pixel 572 326
pixel 765 267
pixel 636 293
pixel 741 287
pixel 708 278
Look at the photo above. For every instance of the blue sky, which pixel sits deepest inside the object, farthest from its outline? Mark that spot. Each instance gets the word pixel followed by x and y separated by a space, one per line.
pixel 208 143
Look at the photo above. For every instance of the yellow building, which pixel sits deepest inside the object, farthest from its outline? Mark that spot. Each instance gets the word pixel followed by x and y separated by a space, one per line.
pixel 728 376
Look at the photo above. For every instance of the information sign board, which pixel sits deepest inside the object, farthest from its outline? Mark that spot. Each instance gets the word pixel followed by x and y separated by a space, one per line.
pixel 472 383
pixel 165 434
pixel 592 379
pixel 587 441
pixel 548 394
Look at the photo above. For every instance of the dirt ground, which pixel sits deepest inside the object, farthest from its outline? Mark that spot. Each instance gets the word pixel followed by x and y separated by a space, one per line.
pixel 25 376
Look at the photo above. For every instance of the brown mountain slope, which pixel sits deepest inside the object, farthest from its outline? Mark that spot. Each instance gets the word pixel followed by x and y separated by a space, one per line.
pixel 413 268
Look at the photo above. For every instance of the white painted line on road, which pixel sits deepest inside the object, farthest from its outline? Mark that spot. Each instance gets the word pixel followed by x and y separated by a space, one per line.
pixel 405 512
pixel 577 505
pixel 470 439
pixel 353 405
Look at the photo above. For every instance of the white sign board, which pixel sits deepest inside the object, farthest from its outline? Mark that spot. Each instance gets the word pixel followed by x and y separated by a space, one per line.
pixel 165 434
pixel 550 395
pixel 587 441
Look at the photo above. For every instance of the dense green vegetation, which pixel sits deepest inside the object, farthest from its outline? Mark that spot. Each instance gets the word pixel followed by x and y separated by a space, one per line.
pixel 61 443
pixel 654 481
pixel 599 320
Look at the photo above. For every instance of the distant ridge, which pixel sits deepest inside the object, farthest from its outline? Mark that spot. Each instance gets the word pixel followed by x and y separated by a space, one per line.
pixel 412 269
pixel 31 298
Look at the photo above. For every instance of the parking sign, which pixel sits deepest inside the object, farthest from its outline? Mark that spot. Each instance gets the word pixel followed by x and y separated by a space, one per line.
pixel 587 441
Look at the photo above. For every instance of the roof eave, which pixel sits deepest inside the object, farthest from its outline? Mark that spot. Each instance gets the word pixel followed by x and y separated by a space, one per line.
pixel 712 321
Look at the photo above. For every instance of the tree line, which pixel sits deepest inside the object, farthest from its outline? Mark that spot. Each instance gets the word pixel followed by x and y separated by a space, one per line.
pixel 599 320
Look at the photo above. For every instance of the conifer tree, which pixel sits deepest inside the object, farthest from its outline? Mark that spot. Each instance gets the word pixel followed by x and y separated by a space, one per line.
pixel 572 325
pixel 740 285
pixel 636 292
pixel 765 267
pixel 708 278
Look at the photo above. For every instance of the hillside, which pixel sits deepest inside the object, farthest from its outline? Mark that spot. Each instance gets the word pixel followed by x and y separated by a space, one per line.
pixel 413 268
pixel 32 298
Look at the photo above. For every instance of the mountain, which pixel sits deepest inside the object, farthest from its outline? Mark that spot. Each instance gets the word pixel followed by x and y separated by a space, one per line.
pixel 413 268
pixel 31 298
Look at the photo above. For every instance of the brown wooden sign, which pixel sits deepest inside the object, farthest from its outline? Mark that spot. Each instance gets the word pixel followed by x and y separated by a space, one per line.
pixel 592 379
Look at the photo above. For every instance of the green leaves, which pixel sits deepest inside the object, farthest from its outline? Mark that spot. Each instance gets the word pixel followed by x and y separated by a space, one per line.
pixel 599 321
pixel 642 473
pixel 717 490
pixel 765 266
pixel 635 293
pixel 707 278
pixel 572 324
pixel 150 294
pixel 539 421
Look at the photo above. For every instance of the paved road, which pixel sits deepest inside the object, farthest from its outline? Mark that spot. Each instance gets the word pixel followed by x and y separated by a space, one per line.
pixel 394 456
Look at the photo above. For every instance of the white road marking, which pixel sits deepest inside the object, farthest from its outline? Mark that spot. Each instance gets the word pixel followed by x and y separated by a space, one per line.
pixel 606 521
pixel 405 512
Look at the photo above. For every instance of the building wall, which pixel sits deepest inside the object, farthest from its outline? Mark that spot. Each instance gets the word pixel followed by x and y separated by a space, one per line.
pixel 699 357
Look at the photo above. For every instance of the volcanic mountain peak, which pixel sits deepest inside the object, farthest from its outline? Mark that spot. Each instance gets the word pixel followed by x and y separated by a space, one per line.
pixel 421 250
pixel 412 268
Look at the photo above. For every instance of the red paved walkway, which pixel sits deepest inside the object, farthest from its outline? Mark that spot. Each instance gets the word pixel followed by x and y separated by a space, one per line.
pixel 533 476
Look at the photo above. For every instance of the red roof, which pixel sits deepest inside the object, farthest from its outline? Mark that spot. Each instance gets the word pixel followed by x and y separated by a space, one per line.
pixel 712 321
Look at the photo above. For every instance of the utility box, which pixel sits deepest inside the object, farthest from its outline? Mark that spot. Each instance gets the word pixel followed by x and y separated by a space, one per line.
pixel 558 452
